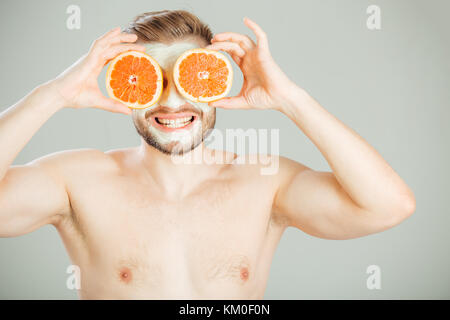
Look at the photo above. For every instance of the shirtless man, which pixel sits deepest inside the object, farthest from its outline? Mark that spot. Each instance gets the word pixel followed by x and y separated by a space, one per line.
pixel 141 226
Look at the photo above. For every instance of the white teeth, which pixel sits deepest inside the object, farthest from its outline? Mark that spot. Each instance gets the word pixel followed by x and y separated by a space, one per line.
pixel 175 123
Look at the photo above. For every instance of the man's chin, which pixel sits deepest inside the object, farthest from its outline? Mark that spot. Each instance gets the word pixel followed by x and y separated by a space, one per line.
pixel 178 150
pixel 176 142
pixel 172 148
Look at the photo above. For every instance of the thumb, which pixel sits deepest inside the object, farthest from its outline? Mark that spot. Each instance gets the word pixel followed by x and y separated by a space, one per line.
pixel 113 105
pixel 237 102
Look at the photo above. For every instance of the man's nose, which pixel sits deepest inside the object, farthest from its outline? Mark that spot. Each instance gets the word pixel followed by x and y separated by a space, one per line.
pixel 170 97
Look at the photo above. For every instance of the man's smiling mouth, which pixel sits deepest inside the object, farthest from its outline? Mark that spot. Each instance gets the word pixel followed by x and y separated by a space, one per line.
pixel 169 122
pixel 174 123
pixel 166 120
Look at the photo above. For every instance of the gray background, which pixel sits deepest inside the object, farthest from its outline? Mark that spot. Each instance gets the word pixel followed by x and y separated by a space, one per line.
pixel 391 86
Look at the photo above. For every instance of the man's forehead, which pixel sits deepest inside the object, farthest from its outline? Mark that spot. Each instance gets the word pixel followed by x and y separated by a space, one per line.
pixel 167 54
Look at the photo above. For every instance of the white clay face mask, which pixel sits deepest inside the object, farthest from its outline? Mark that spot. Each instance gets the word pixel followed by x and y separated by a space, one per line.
pixel 166 56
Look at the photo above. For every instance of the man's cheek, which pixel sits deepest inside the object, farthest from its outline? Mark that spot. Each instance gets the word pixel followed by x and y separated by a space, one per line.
pixel 138 114
pixel 203 107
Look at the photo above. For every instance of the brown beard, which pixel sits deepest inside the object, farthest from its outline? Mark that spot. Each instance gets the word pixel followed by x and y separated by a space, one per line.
pixel 207 121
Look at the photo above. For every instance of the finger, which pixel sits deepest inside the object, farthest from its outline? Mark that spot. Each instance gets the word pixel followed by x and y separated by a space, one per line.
pixel 244 41
pixel 230 47
pixel 236 59
pixel 123 37
pixel 109 34
pixel 237 102
pixel 112 32
pixel 261 36
pixel 234 56
pixel 102 42
pixel 117 49
pixel 112 105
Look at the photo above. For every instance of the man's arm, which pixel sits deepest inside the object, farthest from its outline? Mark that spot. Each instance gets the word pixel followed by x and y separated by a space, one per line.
pixel 31 196
pixel 362 194
pixel 34 194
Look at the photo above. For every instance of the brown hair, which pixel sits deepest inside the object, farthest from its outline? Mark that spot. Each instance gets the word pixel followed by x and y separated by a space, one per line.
pixel 167 26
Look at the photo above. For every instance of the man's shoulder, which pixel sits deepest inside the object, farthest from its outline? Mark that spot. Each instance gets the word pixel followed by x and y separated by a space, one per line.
pixel 78 161
pixel 262 159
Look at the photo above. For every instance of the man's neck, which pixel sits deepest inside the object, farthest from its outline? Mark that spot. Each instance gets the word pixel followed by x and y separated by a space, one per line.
pixel 176 175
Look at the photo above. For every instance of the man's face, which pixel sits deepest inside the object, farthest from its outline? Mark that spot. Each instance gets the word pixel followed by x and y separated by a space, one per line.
pixel 174 125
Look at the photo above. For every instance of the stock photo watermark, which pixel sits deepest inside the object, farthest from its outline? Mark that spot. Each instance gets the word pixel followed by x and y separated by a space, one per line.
pixel 374 280
pixel 73 21
pixel 374 19
pixel 73 282
pixel 251 145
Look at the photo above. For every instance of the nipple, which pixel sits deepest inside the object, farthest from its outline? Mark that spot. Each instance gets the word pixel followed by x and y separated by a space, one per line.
pixel 125 275
pixel 244 274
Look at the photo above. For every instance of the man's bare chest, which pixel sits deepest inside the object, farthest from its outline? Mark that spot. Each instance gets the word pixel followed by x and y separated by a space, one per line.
pixel 217 234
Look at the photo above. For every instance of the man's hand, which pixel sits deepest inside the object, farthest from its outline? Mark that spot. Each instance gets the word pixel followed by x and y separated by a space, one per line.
pixel 35 194
pixel 78 87
pixel 265 83
pixel 361 196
